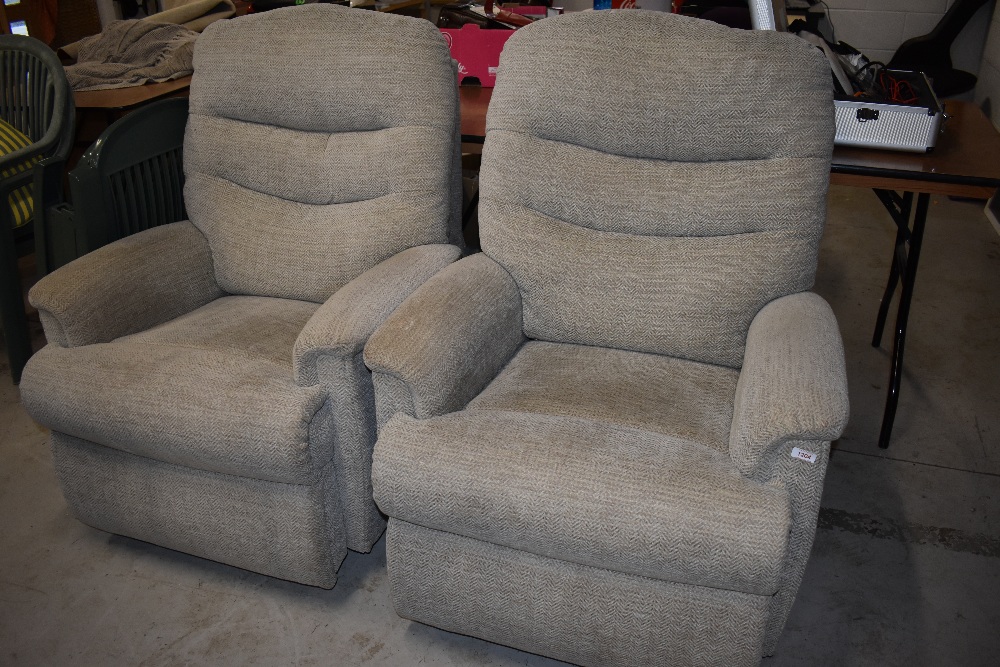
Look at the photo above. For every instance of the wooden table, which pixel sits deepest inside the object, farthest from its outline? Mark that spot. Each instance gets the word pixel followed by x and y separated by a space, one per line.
pixel 964 163
pixel 121 100
pixel 474 100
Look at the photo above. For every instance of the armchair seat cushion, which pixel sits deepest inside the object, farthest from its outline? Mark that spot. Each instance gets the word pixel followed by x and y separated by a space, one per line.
pixel 652 392
pixel 580 491
pixel 211 390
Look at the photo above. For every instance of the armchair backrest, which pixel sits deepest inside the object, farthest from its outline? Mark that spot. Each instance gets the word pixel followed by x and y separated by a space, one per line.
pixel 321 141
pixel 651 181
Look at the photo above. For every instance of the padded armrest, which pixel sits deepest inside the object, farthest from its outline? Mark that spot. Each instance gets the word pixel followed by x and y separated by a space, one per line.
pixel 447 341
pixel 793 386
pixel 342 325
pixel 126 287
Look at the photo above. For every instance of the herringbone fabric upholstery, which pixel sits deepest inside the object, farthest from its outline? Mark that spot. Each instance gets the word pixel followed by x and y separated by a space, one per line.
pixel 204 380
pixel 617 387
pixel 267 527
pixel 235 342
pixel 588 616
pixel 596 455
pixel 641 503
pixel 324 154
pixel 689 212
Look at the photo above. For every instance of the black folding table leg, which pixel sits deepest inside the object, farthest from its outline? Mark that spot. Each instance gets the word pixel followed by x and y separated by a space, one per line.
pixel 899 208
pixel 906 262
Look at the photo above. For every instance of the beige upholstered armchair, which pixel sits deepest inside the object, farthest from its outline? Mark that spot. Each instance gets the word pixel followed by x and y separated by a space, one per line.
pixel 203 380
pixel 604 438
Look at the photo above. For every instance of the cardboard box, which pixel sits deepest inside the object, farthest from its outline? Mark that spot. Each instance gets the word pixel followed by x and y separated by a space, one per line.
pixel 477 51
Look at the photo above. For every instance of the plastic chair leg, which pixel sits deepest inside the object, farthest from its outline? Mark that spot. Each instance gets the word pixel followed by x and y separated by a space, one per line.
pixel 15 321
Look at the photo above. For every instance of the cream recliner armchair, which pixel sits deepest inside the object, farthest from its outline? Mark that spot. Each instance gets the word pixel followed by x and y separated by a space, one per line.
pixel 604 438
pixel 203 380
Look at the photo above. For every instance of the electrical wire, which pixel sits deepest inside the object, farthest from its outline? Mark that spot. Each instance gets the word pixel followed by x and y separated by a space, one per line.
pixel 898 90
pixel 829 19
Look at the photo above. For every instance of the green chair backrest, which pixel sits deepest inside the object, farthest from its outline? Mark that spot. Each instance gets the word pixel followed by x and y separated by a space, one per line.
pixel 132 178
pixel 34 95
pixel 35 99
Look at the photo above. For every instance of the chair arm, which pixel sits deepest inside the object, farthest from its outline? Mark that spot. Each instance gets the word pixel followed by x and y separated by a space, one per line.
pixel 127 286
pixel 49 240
pixel 341 326
pixel 447 341
pixel 56 141
pixel 49 183
pixel 29 153
pixel 793 385
pixel 10 183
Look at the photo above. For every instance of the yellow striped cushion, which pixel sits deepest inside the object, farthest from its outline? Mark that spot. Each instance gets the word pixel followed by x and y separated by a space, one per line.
pixel 21 202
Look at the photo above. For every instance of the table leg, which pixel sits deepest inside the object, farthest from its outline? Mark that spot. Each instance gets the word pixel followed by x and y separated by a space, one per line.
pixel 904 270
pixel 899 208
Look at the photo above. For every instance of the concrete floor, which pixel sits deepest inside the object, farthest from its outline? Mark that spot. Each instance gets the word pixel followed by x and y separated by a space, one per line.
pixel 904 571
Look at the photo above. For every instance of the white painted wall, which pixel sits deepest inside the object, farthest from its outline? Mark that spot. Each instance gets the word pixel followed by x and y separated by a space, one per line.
pixel 877 27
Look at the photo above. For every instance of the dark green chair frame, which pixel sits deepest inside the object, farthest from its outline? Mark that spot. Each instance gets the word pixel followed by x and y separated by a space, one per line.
pixel 36 99
pixel 131 178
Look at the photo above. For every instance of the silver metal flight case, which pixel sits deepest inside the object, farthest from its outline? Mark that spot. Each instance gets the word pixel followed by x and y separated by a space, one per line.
pixel 903 127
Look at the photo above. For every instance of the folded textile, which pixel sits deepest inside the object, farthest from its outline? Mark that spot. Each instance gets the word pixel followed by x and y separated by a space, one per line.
pixel 192 14
pixel 131 53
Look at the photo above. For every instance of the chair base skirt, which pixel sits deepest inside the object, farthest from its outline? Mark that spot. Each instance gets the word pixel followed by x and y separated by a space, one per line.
pixel 576 613
pixel 286 531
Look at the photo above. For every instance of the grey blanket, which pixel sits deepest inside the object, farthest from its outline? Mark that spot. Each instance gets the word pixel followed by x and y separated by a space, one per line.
pixel 130 53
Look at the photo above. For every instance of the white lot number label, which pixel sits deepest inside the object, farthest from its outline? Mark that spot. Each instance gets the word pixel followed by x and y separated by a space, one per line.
pixel 803 454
